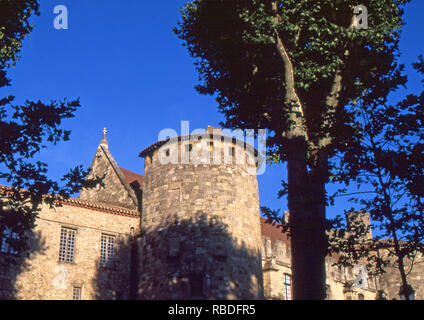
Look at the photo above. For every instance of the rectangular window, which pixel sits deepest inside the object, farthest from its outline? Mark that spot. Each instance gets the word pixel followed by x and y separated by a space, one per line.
pixel 67 245
pixel 210 145
pixel 119 295
pixel 250 160
pixel 196 286
pixel 327 292
pixel 107 250
pixel 287 287
pixel 77 293
pixel 5 240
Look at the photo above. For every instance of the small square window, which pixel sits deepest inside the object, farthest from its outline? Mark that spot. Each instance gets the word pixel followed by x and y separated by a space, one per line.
pixel 5 239
pixel 327 292
pixel 250 160
pixel 119 295
pixel 196 287
pixel 188 147
pixel 76 295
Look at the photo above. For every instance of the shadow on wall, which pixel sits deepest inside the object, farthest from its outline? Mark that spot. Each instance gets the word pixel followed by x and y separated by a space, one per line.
pixel 189 259
pixel 197 258
pixel 116 277
pixel 14 262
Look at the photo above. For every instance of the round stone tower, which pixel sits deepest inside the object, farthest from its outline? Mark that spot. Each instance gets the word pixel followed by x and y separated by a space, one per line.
pixel 200 219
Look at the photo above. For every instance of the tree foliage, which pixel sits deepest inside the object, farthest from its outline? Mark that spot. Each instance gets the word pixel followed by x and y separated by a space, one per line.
pixel 14 27
pixel 235 46
pixel 295 68
pixel 24 131
pixel 388 166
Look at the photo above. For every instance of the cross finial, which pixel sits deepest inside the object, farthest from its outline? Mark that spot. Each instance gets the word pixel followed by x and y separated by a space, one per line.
pixel 104 141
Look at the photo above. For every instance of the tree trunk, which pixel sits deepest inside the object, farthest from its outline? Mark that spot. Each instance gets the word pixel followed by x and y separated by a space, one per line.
pixel 400 255
pixel 306 203
pixel 306 194
pixel 401 265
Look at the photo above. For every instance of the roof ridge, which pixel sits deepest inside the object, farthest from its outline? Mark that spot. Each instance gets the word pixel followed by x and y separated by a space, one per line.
pixel 120 174
pixel 98 206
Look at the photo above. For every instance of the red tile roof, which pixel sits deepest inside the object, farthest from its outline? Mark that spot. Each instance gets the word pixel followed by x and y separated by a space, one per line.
pixel 272 231
pixel 132 176
pixel 75 202
pixel 101 207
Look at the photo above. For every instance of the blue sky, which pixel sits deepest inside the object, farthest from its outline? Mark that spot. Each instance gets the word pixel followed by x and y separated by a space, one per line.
pixel 133 77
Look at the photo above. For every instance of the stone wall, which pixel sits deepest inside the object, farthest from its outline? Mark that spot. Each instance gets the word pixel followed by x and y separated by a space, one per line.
pixel 201 236
pixel 42 276
pixel 390 280
pixel 200 226
pixel 114 189
pixel 276 264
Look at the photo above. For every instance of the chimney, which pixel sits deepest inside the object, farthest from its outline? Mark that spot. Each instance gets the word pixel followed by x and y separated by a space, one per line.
pixel 212 130
pixel 360 219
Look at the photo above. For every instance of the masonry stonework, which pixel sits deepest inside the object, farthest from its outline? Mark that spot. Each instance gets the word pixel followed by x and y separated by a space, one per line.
pixel 43 276
pixel 189 229
pixel 201 228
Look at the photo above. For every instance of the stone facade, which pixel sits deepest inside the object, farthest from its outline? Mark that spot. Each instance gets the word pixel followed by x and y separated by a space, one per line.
pixel 342 283
pixel 116 189
pixel 42 275
pixel 276 263
pixel 200 224
pixel 390 280
pixel 189 229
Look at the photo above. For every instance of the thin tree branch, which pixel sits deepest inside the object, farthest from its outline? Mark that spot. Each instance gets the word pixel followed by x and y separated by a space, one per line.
pixel 349 194
pixel 291 97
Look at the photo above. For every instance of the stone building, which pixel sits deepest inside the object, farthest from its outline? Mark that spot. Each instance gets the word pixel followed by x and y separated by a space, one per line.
pixel 200 221
pixel 82 249
pixel 188 229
